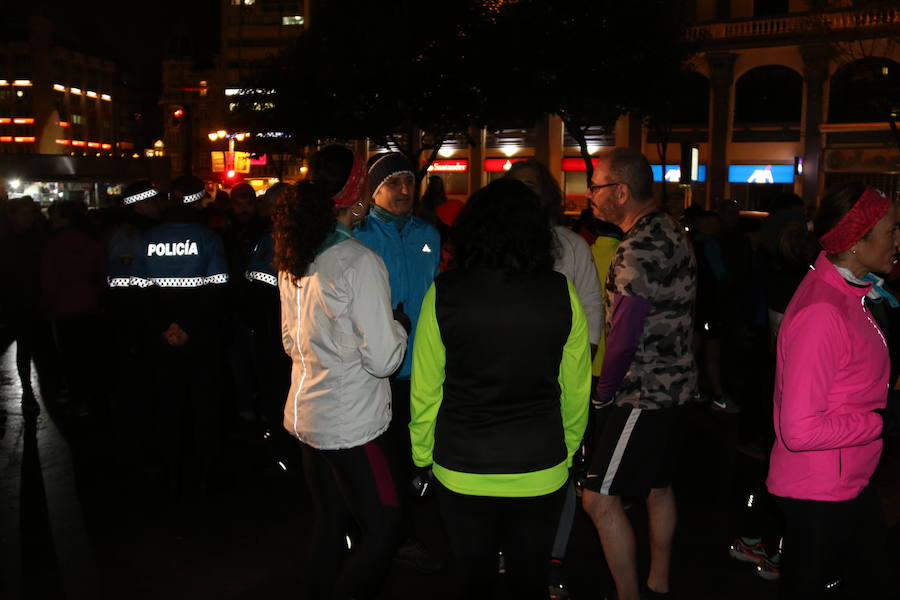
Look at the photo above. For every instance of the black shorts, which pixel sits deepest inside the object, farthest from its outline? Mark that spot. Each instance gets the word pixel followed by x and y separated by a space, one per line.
pixel 633 451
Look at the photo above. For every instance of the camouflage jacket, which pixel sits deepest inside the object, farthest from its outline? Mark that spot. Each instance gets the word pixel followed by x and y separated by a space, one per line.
pixel 655 262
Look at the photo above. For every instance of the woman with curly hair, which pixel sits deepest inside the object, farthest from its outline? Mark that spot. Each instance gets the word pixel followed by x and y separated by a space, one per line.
pixel 500 384
pixel 338 329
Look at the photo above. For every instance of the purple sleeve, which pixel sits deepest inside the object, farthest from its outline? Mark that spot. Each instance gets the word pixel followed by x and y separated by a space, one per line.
pixel 626 324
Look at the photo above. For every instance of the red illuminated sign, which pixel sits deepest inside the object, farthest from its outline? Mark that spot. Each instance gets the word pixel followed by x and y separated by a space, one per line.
pixel 576 164
pixel 260 160
pixel 449 166
pixel 498 165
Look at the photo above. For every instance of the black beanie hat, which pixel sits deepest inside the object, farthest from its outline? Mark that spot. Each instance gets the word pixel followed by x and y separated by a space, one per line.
pixel 385 167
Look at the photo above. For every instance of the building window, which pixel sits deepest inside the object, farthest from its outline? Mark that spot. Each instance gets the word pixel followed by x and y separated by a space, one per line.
pixel 292 20
pixel 769 95
pixel 77 119
pixel 864 91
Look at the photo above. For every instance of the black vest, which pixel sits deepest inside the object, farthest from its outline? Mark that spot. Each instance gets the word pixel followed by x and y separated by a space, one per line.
pixel 504 338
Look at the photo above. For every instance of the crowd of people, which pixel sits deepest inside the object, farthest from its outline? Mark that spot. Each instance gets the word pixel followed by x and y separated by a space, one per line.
pixel 483 354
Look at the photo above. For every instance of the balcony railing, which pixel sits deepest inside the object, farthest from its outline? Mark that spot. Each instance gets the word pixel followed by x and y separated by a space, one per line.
pixel 799 24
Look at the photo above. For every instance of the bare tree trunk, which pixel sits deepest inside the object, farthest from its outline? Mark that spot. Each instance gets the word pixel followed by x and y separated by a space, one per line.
pixel 577 133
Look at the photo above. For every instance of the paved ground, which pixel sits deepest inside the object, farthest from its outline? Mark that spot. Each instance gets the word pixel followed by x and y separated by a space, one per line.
pixel 79 523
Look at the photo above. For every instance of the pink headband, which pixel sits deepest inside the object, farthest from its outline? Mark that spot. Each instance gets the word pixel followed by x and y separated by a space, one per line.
pixel 352 191
pixel 867 211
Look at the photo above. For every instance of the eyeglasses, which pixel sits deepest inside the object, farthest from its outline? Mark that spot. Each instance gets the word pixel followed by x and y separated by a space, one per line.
pixel 593 187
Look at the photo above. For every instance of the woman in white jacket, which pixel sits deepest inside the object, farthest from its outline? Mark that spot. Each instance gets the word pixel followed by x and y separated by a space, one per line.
pixel 338 329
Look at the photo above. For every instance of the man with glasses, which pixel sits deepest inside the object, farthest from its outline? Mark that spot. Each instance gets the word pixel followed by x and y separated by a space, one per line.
pixel 411 251
pixel 647 372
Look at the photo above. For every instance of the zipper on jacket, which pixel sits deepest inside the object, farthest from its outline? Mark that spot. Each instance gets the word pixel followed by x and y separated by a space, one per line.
pixel 875 325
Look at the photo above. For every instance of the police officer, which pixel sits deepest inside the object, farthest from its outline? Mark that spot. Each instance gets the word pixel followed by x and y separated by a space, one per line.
pixel 182 271
pixel 128 403
pixel 263 315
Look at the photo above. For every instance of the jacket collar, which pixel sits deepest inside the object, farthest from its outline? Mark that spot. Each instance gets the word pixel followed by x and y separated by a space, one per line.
pixel 829 274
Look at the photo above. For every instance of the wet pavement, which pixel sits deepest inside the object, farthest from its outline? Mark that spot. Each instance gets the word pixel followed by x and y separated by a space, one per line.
pixel 80 521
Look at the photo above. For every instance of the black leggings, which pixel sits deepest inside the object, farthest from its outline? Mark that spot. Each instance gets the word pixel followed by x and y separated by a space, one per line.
pixel 351 488
pixel 522 528
pixel 829 541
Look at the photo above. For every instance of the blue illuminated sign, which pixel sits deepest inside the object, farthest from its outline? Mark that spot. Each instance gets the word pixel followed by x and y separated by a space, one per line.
pixel 761 174
pixel 673 173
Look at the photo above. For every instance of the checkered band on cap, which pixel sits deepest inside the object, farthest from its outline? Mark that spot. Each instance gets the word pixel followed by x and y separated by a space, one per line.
pixel 139 196
pixel 193 197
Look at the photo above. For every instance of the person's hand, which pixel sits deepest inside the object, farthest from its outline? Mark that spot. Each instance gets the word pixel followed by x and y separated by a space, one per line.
pixel 422 481
pixel 402 318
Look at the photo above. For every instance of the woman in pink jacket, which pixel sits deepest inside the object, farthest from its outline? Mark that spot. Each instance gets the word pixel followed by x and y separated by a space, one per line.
pixel 831 386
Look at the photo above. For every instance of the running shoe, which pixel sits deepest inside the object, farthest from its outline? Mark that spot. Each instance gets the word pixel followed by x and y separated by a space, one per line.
pixel 741 550
pixel 724 404
pixel 769 568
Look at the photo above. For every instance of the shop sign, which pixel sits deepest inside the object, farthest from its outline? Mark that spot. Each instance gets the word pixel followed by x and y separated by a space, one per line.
pixel 761 174
pixel 673 173
pixel 498 165
pixel 576 164
pixel 449 166
pixel 218 162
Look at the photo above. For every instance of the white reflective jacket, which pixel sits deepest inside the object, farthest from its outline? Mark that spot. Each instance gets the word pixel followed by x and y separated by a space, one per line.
pixel 338 329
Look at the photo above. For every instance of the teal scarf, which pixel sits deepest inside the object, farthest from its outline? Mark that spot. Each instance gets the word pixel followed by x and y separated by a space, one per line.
pixel 388 217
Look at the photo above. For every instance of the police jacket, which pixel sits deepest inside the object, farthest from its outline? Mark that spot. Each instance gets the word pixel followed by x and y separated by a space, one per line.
pixel 412 256
pixel 181 268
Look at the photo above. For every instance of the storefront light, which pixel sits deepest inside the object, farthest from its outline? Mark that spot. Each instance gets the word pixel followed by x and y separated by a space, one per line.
pixel 446 152
pixel 75 90
pixel 22 82
pixel 23 121
pixel 58 87
pixel 106 97
pixel 509 150
pixel 91 94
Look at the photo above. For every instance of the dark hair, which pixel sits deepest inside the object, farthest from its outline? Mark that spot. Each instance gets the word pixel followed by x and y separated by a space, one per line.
pixel 836 203
pixel 549 192
pixel 243 189
pixel 65 209
pixel 330 167
pixel 304 215
pixel 502 227
pixel 631 167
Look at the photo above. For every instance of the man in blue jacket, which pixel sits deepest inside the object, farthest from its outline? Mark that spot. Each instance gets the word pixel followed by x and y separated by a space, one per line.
pixel 411 251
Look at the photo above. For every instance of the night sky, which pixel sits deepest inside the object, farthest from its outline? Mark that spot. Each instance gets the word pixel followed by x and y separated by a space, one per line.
pixel 136 35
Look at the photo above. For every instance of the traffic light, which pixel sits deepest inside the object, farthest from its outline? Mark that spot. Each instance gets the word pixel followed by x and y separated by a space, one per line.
pixel 177 115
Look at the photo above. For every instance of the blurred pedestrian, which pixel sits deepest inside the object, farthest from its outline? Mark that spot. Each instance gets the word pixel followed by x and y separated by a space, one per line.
pixel 20 260
pixel 343 341
pixel 73 280
pixel 501 382
pixel 831 387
